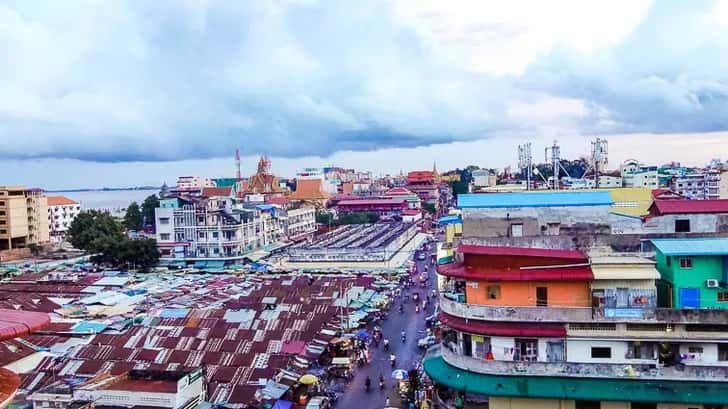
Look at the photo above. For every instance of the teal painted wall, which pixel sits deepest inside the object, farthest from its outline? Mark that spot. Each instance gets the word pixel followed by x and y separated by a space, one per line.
pixel 704 268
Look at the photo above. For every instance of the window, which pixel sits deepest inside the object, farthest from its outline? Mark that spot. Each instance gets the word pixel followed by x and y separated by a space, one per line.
pixel 587 404
pixel 686 262
pixel 695 350
pixel 517 230
pixel 494 292
pixel 601 352
pixel 164 236
pixel 723 352
pixel 723 296
pixel 668 261
pixel 682 226
pixel 164 220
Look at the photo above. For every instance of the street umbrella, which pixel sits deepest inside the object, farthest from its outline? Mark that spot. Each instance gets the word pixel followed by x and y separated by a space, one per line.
pixel 362 334
pixel 399 374
pixel 308 379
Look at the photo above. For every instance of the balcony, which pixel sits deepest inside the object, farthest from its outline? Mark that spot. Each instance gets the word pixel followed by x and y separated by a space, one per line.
pixel 586 370
pixel 583 314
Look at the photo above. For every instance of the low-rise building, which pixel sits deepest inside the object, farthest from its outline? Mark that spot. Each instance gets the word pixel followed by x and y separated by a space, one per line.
pixel 550 328
pixel 61 213
pixel 483 178
pixel 194 182
pixel 383 207
pixel 694 272
pixel 635 174
pixel 23 217
pixel 703 184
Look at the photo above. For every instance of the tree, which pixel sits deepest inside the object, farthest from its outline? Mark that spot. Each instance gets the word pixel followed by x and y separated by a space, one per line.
pixel 133 217
pixel 90 226
pixel 148 206
pixel 459 188
pixel 324 218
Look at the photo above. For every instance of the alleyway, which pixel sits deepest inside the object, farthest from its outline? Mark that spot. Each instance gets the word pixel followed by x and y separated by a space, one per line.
pixel 407 353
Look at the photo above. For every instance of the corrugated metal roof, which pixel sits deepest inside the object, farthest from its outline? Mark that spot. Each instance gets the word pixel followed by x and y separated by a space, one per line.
pixel 539 199
pixel 624 272
pixel 691 206
pixel 520 251
pixel 717 246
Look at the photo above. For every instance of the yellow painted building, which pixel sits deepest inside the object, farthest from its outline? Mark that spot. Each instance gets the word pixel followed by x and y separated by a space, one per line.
pixel 23 217
pixel 631 201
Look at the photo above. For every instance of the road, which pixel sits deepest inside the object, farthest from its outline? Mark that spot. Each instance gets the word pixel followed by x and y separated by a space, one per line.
pixel 407 353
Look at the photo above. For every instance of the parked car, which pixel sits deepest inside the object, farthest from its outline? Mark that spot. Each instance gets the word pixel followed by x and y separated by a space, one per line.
pixel 427 341
pixel 319 402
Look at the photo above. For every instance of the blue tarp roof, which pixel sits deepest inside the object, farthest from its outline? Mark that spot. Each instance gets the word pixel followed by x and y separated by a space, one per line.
pixel 536 199
pixel 174 312
pixel 453 219
pixel 717 246
pixel 282 404
pixel 86 327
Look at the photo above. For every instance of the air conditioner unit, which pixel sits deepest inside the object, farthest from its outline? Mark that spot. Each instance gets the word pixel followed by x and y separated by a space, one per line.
pixel 712 283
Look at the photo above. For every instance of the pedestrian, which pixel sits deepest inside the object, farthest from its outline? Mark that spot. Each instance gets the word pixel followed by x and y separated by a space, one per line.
pixel 386 402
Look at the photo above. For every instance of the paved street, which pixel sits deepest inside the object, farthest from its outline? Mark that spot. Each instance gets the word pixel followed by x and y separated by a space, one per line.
pixel 407 353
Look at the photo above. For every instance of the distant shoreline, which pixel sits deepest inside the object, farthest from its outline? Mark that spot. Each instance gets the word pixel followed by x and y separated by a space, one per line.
pixel 103 189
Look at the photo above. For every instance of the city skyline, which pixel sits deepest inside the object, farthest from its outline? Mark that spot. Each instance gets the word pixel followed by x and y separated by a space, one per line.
pixel 130 88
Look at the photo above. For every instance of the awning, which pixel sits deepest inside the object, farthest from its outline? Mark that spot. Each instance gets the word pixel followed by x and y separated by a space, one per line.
pixel 459 270
pixel 625 272
pixel 341 361
pixel 520 251
pixel 503 328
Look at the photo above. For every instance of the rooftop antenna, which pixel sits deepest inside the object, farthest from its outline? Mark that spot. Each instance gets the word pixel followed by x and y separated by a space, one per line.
pixel 555 161
pixel 598 157
pixel 525 160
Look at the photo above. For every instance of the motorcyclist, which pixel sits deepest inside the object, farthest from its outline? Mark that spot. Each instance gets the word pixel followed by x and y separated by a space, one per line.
pixel 381 381
pixel 368 384
pixel 404 336
pixel 401 308
pixel 392 359
pixel 386 344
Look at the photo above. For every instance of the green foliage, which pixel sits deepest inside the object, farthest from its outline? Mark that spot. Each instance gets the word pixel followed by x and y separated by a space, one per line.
pixel 324 218
pixel 92 225
pixel 459 188
pixel 101 235
pixel 429 207
pixel 358 218
pixel 133 217
pixel 148 206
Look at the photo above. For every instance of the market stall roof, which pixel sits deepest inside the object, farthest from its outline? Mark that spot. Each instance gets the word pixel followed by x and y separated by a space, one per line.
pixel 20 323
pixel 9 383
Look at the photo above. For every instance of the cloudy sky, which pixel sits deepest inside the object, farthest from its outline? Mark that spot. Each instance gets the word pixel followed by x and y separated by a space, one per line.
pixel 107 92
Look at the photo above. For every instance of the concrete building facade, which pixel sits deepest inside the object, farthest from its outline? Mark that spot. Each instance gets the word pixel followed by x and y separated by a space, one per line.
pixel 23 217
pixel 61 213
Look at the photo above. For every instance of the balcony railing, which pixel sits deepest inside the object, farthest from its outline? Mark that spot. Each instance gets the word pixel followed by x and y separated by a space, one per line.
pixel 586 370
pixel 582 314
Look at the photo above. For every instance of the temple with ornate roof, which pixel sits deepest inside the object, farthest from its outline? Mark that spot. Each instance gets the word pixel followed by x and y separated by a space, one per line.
pixel 263 182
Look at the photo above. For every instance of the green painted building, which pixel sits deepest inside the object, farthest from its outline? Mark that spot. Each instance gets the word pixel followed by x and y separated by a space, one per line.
pixel 694 272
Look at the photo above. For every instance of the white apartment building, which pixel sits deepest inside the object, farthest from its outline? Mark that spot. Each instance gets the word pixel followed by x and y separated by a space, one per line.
pixel 215 228
pixel 483 178
pixel 61 213
pixel 698 185
pixel 194 182
pixel 635 174
pixel 301 222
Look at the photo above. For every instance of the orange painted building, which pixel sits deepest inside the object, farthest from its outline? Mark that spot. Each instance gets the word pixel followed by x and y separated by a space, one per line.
pixel 528 293
pixel 522 277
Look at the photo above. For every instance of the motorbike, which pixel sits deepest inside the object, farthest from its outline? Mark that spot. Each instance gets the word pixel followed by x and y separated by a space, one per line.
pixel 417 309
pixel 392 360
pixel 386 345
pixel 367 384
pixel 381 383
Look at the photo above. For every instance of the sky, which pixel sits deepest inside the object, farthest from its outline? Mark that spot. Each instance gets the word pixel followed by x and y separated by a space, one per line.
pixel 121 93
